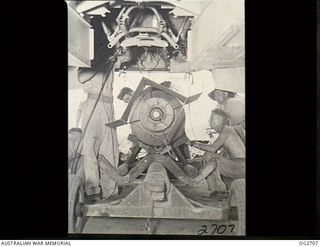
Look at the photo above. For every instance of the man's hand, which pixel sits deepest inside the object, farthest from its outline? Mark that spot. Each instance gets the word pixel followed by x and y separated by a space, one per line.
pixel 195 144
pixel 191 143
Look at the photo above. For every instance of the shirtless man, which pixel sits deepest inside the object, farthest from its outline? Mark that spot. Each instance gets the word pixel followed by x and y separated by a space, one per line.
pixel 232 167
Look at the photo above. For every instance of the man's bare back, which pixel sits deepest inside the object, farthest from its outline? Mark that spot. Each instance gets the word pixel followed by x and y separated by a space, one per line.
pixel 233 143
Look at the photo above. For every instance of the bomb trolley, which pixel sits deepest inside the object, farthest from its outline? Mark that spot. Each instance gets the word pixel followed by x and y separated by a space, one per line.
pixel 159 181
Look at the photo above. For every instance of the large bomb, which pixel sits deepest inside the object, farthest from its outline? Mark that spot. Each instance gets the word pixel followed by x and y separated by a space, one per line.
pixel 157 118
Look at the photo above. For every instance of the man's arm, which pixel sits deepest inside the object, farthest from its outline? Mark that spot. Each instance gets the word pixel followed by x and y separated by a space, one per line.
pixel 214 147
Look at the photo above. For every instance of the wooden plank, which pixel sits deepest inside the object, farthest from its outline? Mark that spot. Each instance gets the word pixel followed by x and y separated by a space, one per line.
pixel 105 225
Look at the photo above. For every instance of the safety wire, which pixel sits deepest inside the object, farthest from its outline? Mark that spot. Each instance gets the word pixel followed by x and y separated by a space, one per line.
pixel 158 61
pixel 140 60
pixel 144 55
pixel 111 60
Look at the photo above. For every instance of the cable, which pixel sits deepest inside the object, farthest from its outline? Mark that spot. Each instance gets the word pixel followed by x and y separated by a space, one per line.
pixel 158 61
pixel 96 72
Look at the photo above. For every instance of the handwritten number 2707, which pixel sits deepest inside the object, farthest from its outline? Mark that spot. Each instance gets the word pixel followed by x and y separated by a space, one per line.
pixel 215 228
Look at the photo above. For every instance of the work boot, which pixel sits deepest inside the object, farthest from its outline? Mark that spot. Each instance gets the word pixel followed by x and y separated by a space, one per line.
pixel 108 186
pixel 219 195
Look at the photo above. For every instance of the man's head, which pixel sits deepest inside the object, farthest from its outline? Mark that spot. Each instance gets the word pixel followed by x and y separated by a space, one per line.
pixel 221 95
pixel 74 137
pixel 218 119
pixel 125 94
pixel 166 84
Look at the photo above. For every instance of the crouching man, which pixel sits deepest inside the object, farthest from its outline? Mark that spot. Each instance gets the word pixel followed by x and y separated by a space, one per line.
pixel 232 167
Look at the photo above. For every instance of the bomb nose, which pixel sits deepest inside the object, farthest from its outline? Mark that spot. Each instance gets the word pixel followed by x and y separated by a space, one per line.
pixel 156 114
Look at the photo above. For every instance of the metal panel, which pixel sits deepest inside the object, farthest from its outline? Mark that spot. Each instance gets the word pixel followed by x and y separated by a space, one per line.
pixel 220 44
pixel 80 40
pixel 192 6
pixel 89 5
pixel 230 79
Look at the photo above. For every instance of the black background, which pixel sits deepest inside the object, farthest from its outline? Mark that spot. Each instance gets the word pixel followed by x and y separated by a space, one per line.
pixel 281 95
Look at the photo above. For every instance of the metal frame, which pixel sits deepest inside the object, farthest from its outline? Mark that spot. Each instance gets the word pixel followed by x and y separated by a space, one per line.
pixel 138 205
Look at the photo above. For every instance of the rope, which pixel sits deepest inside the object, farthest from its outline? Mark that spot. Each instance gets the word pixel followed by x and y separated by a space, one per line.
pixel 144 56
